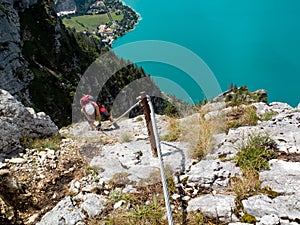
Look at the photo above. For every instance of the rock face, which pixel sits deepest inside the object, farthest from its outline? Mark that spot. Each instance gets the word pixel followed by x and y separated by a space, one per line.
pixel 14 75
pixel 34 46
pixel 18 123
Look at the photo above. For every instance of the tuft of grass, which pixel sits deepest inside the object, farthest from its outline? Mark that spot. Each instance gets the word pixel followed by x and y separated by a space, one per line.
pixel 147 214
pixel 116 195
pixel 125 137
pixel 256 152
pixel 146 208
pixel 48 142
pixel 241 116
pixel 253 157
pixel 199 133
pixel 199 218
pixel 245 186
pixel 268 115
pixel 204 142
pixel 174 128
pixel 246 218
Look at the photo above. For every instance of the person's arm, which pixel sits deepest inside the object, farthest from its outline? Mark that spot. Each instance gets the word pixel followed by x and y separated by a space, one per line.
pixel 98 114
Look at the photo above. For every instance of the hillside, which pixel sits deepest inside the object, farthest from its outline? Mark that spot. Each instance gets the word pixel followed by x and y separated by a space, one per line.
pixel 225 165
pixel 42 62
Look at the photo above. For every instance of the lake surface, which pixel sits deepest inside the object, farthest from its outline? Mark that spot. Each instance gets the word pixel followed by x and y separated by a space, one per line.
pixel 251 42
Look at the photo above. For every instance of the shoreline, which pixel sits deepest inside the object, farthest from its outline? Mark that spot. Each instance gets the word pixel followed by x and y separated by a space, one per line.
pixel 140 18
pixel 124 3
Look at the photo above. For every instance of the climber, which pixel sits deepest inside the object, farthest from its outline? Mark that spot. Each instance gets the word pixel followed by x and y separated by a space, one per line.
pixel 92 109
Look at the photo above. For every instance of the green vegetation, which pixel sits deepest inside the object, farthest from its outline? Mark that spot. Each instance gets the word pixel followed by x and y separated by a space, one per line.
pixel 171 110
pixel 147 213
pixel 246 218
pixel 269 115
pixel 242 95
pixel 59 57
pixel 147 206
pixel 253 157
pixel 49 142
pixel 241 116
pixel 88 22
pixel 256 152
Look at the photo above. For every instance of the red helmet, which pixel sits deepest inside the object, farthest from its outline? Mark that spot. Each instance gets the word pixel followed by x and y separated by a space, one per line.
pixel 85 99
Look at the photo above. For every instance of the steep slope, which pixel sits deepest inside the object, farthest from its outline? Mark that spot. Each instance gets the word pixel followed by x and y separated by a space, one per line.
pixel 42 62
pixel 121 180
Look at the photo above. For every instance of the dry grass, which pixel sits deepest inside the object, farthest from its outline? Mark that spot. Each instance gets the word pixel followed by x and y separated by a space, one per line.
pixel 198 132
pixel 174 130
pixel 245 186
pixel 125 137
pixel 241 116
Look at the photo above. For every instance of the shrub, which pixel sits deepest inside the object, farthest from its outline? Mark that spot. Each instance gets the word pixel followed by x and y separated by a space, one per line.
pixel 171 110
pixel 242 95
pixel 256 152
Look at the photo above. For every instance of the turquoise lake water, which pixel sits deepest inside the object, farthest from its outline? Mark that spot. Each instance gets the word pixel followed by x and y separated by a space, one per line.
pixel 251 42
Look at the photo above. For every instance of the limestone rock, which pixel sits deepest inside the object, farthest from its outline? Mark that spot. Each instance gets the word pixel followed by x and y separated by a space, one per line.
pixel 285 207
pixel 283 177
pixel 217 206
pixel 18 124
pixel 212 174
pixel 64 213
pixel 128 163
pixel 92 205
pixel 135 159
pixel 269 220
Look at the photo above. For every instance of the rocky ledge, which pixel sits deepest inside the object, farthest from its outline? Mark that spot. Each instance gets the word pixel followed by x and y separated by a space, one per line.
pixel 18 124
pixel 119 162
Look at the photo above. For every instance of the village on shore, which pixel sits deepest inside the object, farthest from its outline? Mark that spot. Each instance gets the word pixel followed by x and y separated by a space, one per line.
pixel 109 31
